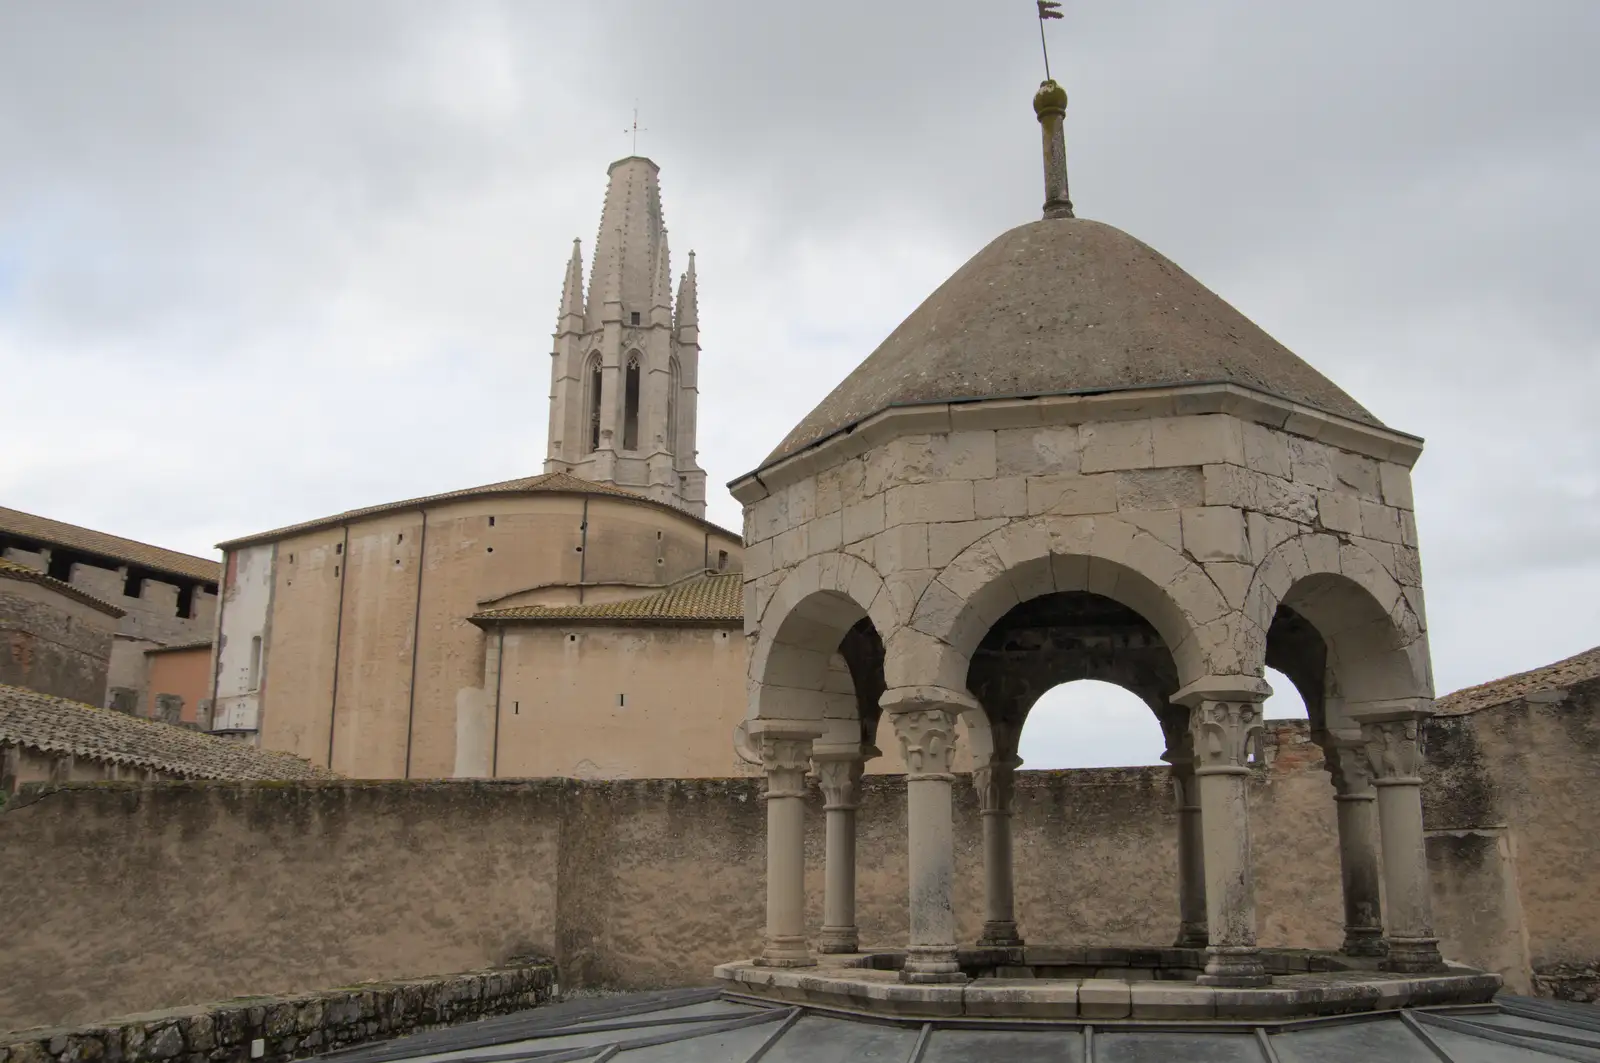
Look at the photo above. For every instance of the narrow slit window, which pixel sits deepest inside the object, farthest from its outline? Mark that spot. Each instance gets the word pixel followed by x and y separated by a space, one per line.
pixel 673 384
pixel 594 403
pixel 722 560
pixel 630 401
pixel 255 663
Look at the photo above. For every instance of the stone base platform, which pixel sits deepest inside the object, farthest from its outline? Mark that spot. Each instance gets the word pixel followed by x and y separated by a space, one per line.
pixel 1107 983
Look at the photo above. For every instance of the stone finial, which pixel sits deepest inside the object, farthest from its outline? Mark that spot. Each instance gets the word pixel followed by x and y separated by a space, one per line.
pixel 1050 105
pixel 571 319
pixel 688 309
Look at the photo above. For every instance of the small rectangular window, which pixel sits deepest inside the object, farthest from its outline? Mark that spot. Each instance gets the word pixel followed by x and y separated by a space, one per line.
pixel 255 663
pixel 491 522
pixel 722 560
pixel 338 548
pixel 622 701
pixel 635 317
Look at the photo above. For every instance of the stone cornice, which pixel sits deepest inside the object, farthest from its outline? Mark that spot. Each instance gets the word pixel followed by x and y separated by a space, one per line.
pixel 1245 403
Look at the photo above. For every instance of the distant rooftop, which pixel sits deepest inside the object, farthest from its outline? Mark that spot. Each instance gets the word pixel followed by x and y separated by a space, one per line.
pixel 709 599
pixel 14 571
pixel 1557 676
pixel 17 524
pixel 57 725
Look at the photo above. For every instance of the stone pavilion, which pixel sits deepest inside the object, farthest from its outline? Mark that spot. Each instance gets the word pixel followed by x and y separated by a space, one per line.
pixel 1073 461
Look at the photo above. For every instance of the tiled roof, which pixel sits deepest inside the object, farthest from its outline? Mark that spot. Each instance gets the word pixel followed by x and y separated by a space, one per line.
pixel 1575 669
pixel 56 725
pixel 551 482
pixel 12 570
pixel 43 529
pixel 175 647
pixel 708 599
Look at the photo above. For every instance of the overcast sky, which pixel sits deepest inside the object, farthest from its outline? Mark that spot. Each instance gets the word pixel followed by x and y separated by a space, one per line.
pixel 261 262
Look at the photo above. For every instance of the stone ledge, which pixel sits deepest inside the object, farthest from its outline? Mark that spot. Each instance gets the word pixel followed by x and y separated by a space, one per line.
pixel 274 1029
pixel 867 983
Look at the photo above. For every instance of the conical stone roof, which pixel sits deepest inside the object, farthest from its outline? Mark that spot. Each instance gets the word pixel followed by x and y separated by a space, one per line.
pixel 1066 306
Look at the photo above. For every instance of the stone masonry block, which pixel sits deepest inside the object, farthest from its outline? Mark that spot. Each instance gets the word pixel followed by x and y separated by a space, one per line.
pixel 1395 482
pixel 1215 533
pixel 1072 495
pixel 1339 512
pixel 758 559
pixel 1149 489
pixel 1267 532
pixel 1006 496
pixel 1206 439
pixel 903 546
pixel 1037 451
pixel 1232 579
pixel 828 493
pixel 1154 559
pixel 824 533
pixel 952 456
pixel 768 517
pixel 1311 463
pixel 1322 552
pixel 1358 474
pixel 1380 522
pixel 937 610
pixel 930 503
pixel 863 518
pixel 1408 528
pixel 904 588
pixel 802 503
pixel 1105 998
pixel 946 541
pixel 1109 446
pixel 1266 451
pixel 1166 525
pixel 852 481
pixel 789 547
pixel 1230 485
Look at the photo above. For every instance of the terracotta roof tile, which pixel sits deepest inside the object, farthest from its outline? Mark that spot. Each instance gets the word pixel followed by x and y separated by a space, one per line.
pixel 552 482
pixel 56 725
pixel 1574 669
pixel 713 599
pixel 28 526
pixel 12 570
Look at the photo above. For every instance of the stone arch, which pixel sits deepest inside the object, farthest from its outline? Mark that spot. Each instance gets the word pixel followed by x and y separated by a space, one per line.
pixel 1103 555
pixel 1373 647
pixel 821 602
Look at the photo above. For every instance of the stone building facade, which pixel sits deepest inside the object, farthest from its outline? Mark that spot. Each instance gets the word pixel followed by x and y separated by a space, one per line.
pixel 54 638
pixel 370 641
pixel 166 597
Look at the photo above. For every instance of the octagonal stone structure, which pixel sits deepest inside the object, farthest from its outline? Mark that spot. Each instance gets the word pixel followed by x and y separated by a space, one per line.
pixel 1073 461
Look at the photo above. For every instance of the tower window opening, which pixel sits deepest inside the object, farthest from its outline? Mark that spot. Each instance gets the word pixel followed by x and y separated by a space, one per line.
pixel 674 375
pixel 594 403
pixel 133 585
pixel 633 318
pixel 630 404
pixel 186 602
pixel 722 560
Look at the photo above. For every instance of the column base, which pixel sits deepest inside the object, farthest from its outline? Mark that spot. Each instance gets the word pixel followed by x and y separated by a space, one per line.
pixel 1364 941
pixel 1414 956
pixel 927 964
pixel 1192 936
pixel 1000 934
pixel 786 952
pixel 1235 967
pixel 838 939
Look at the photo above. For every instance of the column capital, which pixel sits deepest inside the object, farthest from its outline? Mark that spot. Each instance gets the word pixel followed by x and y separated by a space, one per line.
pixel 995 783
pixel 785 758
pixel 1393 750
pixel 1221 732
pixel 838 774
pixel 1346 760
pixel 927 741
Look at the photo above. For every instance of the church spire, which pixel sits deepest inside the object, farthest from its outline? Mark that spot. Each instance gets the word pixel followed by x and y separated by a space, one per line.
pixel 1050 105
pixel 571 317
pixel 625 254
pixel 688 322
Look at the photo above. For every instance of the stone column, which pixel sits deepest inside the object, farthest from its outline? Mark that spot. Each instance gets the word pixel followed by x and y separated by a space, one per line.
pixel 1356 801
pixel 839 776
pixel 1224 716
pixel 1394 753
pixel 785 756
pixel 925 723
pixel 995 784
pixel 1192 933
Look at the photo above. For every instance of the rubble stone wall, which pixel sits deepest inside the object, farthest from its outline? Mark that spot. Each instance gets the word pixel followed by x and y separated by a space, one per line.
pixel 273 1029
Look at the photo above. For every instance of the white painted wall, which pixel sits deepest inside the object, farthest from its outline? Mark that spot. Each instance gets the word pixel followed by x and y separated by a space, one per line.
pixel 246 604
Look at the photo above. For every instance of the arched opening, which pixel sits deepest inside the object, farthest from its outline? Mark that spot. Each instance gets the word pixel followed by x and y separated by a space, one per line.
pixel 591 403
pixel 674 382
pixel 630 404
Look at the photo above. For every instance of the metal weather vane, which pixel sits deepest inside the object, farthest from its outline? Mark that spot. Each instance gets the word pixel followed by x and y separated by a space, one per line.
pixel 1047 9
pixel 635 130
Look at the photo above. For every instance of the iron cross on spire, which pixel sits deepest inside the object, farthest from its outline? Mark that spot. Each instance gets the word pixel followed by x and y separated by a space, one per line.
pixel 635 130
pixel 1047 9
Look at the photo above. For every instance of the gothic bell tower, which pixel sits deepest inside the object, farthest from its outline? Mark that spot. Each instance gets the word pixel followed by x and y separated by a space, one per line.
pixel 625 367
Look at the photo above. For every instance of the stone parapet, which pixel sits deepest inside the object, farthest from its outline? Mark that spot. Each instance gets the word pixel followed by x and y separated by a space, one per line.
pixel 271 1029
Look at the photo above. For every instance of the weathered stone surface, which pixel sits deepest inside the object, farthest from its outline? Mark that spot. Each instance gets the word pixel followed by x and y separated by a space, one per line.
pixel 1037 451
pixel 1147 490
pixel 1114 445
pixel 1072 495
